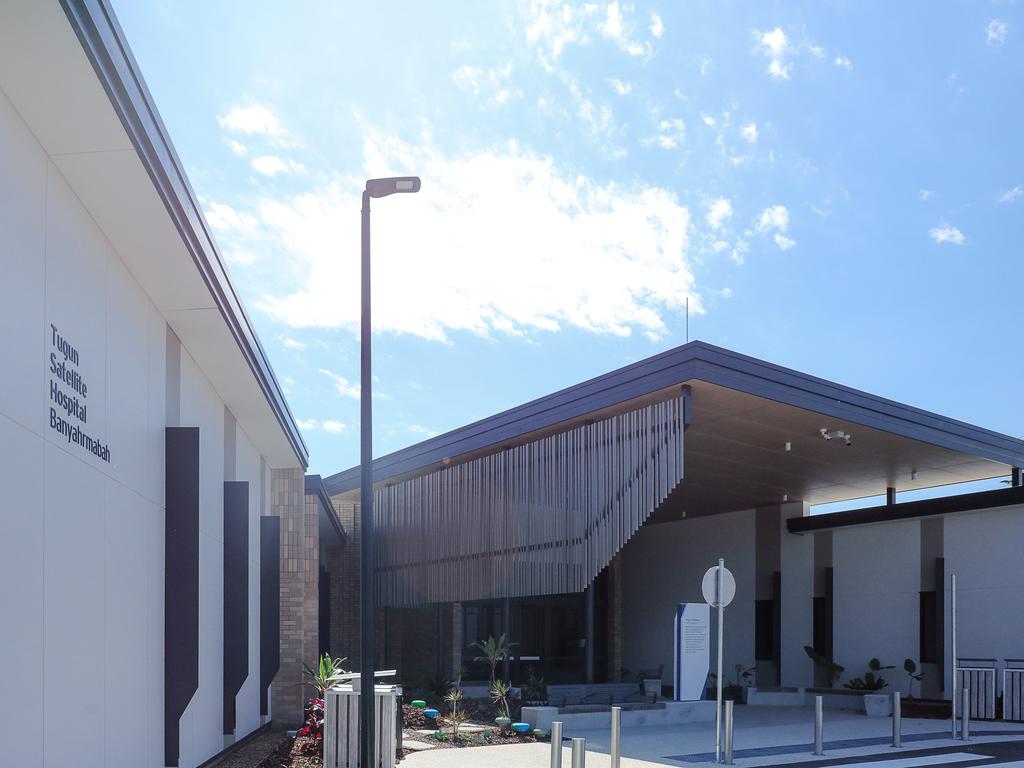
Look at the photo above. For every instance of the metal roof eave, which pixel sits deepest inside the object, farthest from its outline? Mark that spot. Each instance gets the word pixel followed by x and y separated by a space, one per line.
pixel 694 361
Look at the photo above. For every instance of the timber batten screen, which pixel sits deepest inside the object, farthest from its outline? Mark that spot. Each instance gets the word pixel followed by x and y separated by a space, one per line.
pixel 544 517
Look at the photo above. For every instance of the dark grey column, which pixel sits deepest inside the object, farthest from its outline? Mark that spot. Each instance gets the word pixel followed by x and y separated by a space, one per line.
pixel 181 580
pixel 506 621
pixel 270 606
pixel 236 596
pixel 588 606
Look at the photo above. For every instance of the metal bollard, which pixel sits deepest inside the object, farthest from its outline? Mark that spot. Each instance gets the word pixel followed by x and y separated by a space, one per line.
pixel 728 733
pixel 897 721
pixel 616 730
pixel 819 726
pixel 556 744
pixel 965 715
pixel 579 753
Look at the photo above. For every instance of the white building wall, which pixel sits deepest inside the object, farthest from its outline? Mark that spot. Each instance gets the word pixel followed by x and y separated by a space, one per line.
pixel 82 539
pixel 797 611
pixel 663 565
pixel 983 549
pixel 877 597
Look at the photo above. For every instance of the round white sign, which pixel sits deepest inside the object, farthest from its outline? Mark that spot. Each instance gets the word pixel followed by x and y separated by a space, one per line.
pixel 709 586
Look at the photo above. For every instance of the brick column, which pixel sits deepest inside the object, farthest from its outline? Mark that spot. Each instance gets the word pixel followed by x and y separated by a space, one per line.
pixel 456 646
pixel 345 588
pixel 298 565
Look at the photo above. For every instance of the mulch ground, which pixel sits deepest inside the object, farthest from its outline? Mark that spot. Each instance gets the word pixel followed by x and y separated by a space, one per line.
pixel 274 748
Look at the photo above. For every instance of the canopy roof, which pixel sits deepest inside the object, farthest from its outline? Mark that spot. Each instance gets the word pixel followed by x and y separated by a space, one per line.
pixel 743 412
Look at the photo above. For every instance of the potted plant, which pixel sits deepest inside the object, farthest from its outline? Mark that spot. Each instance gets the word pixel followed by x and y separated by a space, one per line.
pixel 737 689
pixel 535 692
pixel 832 670
pixel 499 695
pixel 910 667
pixel 875 704
pixel 650 682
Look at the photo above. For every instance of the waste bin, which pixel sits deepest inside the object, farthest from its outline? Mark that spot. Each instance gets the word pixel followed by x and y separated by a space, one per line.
pixel 341 725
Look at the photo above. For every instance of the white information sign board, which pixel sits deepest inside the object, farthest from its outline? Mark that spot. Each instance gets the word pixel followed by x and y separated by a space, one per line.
pixel 692 651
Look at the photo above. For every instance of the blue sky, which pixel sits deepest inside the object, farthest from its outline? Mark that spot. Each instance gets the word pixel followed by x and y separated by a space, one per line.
pixel 836 186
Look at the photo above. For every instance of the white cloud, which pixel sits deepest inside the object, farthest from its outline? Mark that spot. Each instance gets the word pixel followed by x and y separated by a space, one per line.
pixel 718 213
pixel 237 148
pixel 344 387
pixel 705 66
pixel 749 132
pixel 843 63
pixel 946 233
pixel 726 293
pixel 1012 195
pixel 740 251
pixel 227 220
pixel 289 343
pixel 269 165
pixel 311 425
pixel 996 32
pixel 783 242
pixel 671 133
pixel 550 26
pixel 251 120
pixel 605 258
pixel 621 88
pixel 775 220
pixel 240 256
pixel 493 83
pixel 709 121
pixel 925 194
pixel 418 429
pixel 775 217
pixel 776 47
pixel 657 27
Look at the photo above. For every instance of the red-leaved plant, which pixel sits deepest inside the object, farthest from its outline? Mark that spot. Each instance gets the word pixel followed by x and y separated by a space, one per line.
pixel 313 730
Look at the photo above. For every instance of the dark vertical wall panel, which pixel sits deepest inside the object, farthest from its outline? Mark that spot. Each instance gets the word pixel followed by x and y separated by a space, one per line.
pixel 181 581
pixel 270 606
pixel 777 623
pixel 236 595
pixel 829 613
pixel 940 621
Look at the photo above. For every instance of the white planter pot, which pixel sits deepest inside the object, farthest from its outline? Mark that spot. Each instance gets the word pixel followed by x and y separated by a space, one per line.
pixel 877 704
pixel 652 687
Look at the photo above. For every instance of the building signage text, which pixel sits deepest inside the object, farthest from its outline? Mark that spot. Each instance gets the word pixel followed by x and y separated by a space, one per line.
pixel 69 411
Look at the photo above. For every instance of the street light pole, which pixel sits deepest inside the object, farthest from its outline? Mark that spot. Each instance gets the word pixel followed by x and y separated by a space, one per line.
pixel 367 595
pixel 367 601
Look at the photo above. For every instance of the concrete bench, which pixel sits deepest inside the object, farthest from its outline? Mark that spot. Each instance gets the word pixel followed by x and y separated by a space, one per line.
pixel 595 693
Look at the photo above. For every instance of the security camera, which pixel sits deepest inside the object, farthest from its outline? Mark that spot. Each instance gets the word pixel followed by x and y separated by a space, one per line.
pixel 837 434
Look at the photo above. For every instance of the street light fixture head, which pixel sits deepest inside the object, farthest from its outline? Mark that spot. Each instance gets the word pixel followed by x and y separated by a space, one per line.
pixel 389 186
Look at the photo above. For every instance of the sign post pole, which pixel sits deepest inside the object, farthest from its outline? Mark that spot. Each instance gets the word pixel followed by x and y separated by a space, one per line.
pixel 720 576
pixel 719 588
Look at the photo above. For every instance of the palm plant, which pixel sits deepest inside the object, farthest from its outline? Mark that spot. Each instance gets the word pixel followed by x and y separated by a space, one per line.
pixel 499 695
pixel 458 716
pixel 494 651
pixel 327 667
